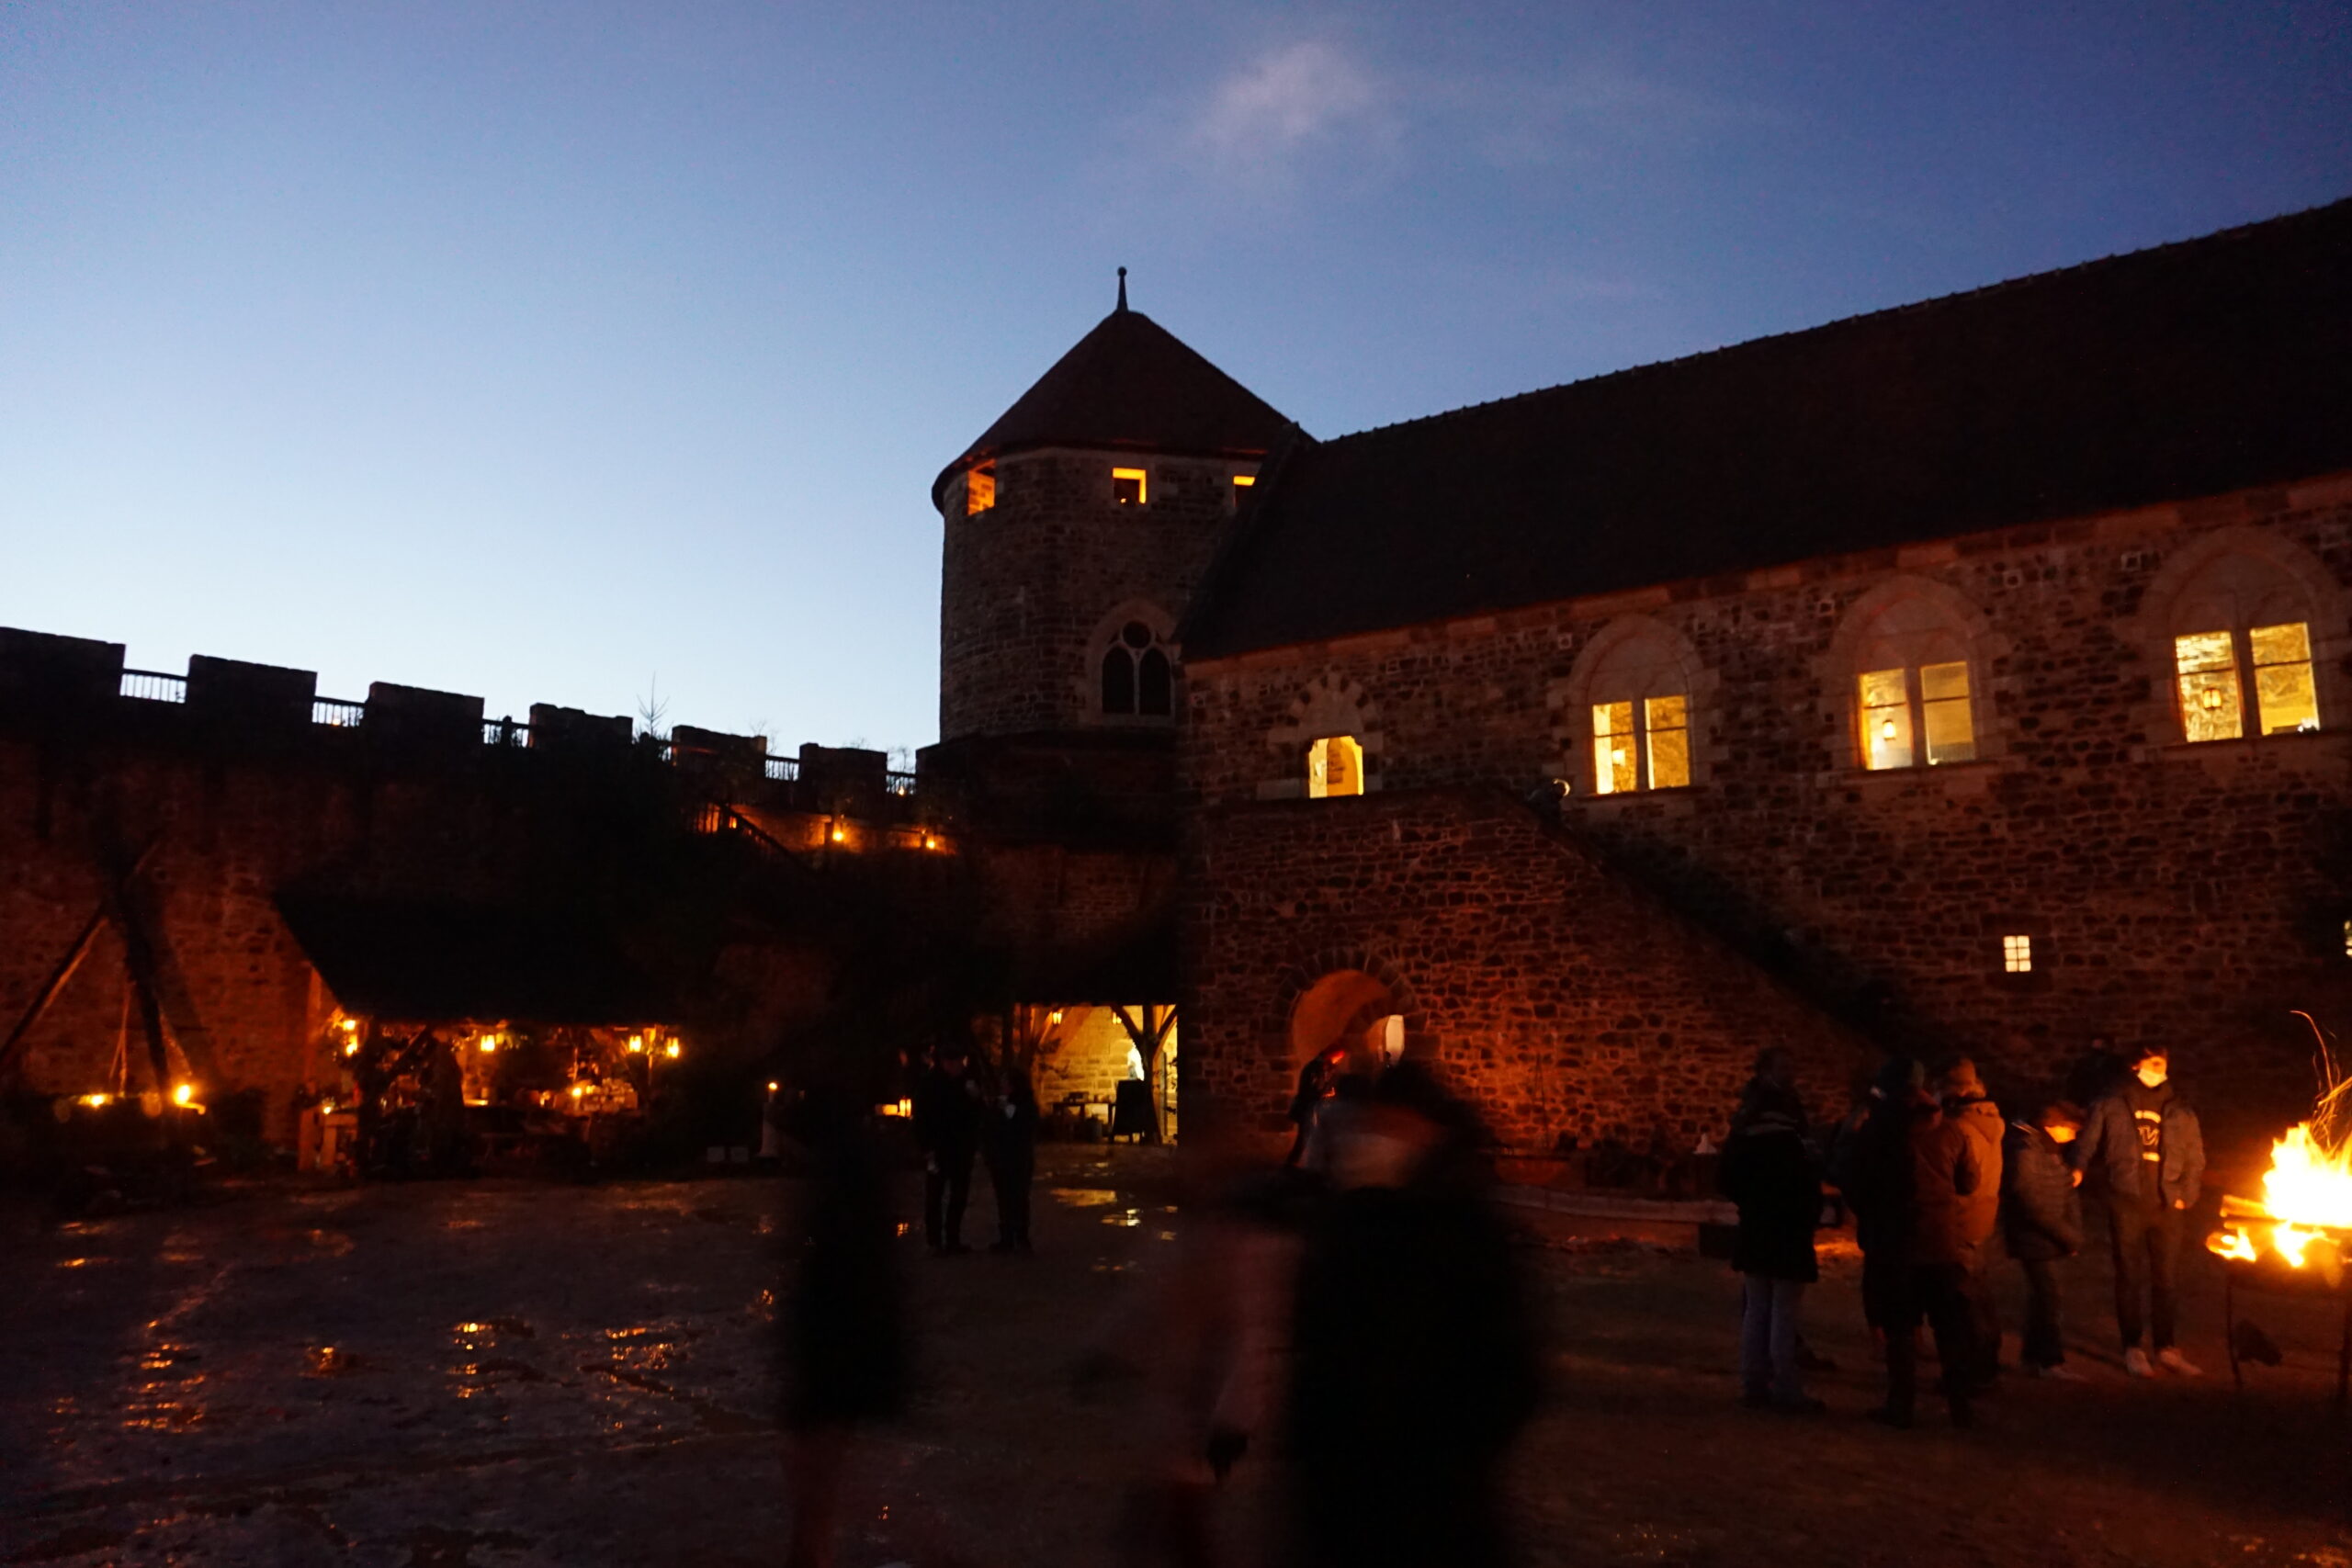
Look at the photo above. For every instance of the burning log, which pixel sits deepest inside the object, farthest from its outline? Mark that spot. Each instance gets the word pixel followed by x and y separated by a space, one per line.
pixel 2296 1238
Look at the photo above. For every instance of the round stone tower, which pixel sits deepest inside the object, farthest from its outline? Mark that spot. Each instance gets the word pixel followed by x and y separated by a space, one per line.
pixel 1077 528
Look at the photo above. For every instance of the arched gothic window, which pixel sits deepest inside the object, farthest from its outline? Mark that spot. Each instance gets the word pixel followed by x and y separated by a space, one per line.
pixel 1137 679
pixel 2243 626
pixel 1638 697
pixel 1913 688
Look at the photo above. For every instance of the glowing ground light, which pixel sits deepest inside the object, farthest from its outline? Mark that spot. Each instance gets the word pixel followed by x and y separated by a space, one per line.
pixel 184 1094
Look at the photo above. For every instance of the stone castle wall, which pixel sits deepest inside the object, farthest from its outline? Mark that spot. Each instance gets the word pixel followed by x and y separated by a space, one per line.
pixel 1567 1003
pixel 2189 894
pixel 1032 586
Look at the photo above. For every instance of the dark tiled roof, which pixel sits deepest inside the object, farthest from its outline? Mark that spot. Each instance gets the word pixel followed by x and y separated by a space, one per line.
pixel 422 963
pixel 2193 370
pixel 1130 382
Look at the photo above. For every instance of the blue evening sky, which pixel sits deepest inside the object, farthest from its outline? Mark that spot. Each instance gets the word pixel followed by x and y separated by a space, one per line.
pixel 576 352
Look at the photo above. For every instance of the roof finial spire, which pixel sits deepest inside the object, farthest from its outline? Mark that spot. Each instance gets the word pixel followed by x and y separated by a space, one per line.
pixel 1123 289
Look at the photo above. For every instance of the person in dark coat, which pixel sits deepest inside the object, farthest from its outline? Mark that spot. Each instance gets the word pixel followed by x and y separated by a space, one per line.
pixel 1009 1144
pixel 1871 1168
pixel 2042 1223
pixel 947 1116
pixel 1770 1170
pixel 843 1346
pixel 1414 1360
pixel 1315 1081
pixel 2147 1144
pixel 1909 1173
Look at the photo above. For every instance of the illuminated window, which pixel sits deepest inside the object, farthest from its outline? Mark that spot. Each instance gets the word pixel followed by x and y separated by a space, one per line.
pixel 979 488
pixel 2208 677
pixel 1334 766
pixel 1897 707
pixel 1137 679
pixel 1127 486
pixel 1914 696
pixel 2347 939
pixel 2017 954
pixel 1639 693
pixel 1243 482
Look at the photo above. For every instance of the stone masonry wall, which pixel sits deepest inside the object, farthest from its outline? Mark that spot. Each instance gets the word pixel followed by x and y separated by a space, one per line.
pixel 1566 1002
pixel 1027 585
pixel 2188 895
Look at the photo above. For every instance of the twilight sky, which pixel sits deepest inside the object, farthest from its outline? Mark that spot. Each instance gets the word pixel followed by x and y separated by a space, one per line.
pixel 598 353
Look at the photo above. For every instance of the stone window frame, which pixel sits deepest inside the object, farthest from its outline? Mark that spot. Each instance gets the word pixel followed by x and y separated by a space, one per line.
pixel 1089 684
pixel 1840 668
pixel 2191 567
pixel 1571 700
pixel 1327 705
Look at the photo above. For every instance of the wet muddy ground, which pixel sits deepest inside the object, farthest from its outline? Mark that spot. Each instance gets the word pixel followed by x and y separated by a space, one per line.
pixel 522 1374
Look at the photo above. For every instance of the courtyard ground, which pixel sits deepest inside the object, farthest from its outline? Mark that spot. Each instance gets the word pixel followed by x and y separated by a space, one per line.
pixel 518 1375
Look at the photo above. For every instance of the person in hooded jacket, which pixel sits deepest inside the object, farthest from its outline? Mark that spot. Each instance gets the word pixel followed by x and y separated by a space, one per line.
pixel 2041 1221
pixel 1968 1107
pixel 1772 1171
pixel 2147 1144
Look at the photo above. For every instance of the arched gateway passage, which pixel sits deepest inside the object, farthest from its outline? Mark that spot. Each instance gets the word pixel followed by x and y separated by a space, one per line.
pixel 1354 1000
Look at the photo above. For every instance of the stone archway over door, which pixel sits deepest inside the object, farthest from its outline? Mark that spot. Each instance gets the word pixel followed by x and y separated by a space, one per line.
pixel 1358 1003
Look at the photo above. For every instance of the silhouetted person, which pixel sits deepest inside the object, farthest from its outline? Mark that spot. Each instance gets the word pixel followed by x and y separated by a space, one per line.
pixel 1772 1171
pixel 1315 1082
pixel 843 1340
pixel 947 1127
pixel 1009 1144
pixel 2042 1221
pixel 2099 1072
pixel 1413 1358
pixel 1910 1169
pixel 2147 1143
pixel 1870 1168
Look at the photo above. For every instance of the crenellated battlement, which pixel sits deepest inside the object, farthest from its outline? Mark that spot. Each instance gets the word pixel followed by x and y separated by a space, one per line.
pixel 49 682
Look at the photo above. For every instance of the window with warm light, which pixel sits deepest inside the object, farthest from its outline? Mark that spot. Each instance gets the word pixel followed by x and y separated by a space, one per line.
pixel 1139 680
pixel 1913 667
pixel 1127 487
pixel 1901 708
pixel 2017 954
pixel 979 488
pixel 1334 766
pixel 1641 744
pixel 1637 690
pixel 2211 670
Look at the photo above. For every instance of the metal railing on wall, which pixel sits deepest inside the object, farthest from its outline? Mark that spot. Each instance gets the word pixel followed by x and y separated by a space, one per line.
pixel 155 686
pixel 334 713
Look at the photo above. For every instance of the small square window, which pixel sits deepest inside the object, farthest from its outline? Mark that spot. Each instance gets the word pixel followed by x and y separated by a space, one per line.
pixel 1127 486
pixel 2017 954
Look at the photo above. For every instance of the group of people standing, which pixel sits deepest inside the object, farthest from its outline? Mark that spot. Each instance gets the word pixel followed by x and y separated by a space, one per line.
pixel 1934 1177
pixel 957 1120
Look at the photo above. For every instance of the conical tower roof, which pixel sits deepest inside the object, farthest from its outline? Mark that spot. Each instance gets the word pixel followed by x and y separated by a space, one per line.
pixel 1130 383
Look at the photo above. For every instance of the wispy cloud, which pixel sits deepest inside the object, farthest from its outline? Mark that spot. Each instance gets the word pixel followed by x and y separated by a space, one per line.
pixel 1271 114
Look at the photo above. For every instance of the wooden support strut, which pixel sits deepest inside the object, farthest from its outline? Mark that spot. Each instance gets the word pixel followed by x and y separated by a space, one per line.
pixel 65 968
